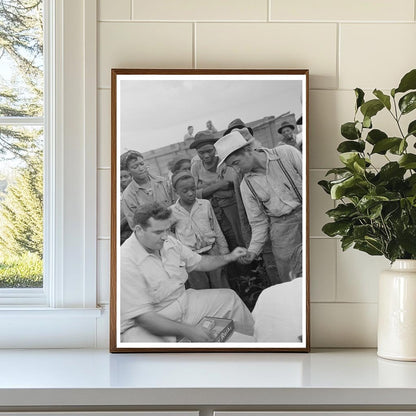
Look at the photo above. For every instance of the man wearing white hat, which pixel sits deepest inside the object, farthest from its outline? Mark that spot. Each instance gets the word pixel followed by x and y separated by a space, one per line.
pixel 272 195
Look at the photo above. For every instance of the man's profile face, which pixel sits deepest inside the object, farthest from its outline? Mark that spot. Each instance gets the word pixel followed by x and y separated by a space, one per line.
pixel 155 234
pixel 190 130
pixel 287 132
pixel 137 168
pixel 206 153
pixel 241 161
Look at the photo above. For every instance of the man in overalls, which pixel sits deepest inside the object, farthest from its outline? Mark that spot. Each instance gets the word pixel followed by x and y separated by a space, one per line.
pixel 272 195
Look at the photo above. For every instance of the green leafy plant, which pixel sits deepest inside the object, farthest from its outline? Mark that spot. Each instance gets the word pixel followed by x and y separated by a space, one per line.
pixel 376 210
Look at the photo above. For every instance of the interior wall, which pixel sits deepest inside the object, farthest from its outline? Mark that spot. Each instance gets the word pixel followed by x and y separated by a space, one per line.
pixel 345 44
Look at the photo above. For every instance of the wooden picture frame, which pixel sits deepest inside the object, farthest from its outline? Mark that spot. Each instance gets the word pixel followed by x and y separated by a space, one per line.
pixel 163 299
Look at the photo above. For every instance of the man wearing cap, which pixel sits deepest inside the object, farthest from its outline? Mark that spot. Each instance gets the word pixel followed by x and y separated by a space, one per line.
pixel 144 188
pixel 272 194
pixel 216 185
pixel 154 304
pixel 287 131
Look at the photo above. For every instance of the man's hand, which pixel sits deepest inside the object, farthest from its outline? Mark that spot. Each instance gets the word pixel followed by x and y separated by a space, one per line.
pixel 237 253
pixel 247 258
pixel 196 334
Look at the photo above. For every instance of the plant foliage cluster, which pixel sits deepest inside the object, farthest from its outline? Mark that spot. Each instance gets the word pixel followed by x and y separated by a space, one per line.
pixel 376 210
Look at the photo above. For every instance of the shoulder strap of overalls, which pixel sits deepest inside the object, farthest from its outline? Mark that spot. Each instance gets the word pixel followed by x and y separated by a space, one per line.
pixel 256 197
pixel 289 178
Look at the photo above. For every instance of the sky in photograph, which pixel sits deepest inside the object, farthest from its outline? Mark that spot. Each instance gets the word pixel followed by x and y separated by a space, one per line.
pixel 156 113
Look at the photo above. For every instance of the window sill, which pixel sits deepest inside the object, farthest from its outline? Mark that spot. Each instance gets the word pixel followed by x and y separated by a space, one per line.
pixel 39 327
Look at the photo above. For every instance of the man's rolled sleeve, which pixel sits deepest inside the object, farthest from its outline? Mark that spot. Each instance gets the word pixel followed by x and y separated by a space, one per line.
pixel 135 300
pixel 190 258
pixel 257 218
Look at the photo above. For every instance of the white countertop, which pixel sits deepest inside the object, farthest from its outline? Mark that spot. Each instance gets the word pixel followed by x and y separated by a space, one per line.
pixel 96 377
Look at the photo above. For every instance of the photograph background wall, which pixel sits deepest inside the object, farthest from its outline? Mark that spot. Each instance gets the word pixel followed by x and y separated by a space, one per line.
pixel 345 44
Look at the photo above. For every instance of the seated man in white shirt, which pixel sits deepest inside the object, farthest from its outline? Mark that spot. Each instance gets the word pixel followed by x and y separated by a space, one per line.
pixel 155 307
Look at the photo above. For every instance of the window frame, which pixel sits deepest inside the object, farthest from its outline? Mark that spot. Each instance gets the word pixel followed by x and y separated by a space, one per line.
pixel 70 169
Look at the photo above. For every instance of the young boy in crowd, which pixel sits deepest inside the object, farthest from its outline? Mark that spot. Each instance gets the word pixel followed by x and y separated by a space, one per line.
pixel 197 227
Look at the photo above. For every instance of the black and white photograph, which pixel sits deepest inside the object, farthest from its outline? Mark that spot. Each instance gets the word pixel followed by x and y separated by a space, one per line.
pixel 209 244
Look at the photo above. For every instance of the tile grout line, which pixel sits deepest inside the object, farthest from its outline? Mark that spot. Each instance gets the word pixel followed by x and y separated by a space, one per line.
pixel 306 22
pixel 269 10
pixel 338 63
pixel 131 9
pixel 194 63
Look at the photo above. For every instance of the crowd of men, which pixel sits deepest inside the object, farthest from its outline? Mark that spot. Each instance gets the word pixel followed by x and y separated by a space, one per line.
pixel 225 206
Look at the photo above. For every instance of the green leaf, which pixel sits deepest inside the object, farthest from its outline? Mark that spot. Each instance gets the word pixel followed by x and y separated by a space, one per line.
pixel 350 146
pixel 351 186
pixel 408 161
pixel 375 212
pixel 359 232
pixel 393 92
pixel 350 131
pixel 348 158
pixel 325 186
pixel 408 82
pixel 333 229
pixel 375 135
pixel 342 211
pixel 383 145
pixel 411 130
pixel 391 170
pixel 338 171
pixel 346 242
pixel 385 99
pixel 371 108
pixel 367 122
pixel 408 102
pixel 368 248
pixel 407 240
pixel 359 95
pixel 398 149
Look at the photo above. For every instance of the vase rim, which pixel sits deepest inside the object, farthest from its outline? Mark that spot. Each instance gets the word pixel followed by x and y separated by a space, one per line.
pixel 404 264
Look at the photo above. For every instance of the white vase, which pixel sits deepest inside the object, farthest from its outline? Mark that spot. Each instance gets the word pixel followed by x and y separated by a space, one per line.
pixel 397 312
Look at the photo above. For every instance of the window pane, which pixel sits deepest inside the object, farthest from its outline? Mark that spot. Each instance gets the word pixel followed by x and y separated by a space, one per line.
pixel 21 58
pixel 21 207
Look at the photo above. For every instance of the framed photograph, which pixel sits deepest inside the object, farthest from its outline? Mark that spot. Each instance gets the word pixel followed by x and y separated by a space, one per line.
pixel 209 215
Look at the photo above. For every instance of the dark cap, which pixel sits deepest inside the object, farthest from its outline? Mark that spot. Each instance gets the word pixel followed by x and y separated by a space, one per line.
pixel 202 138
pixel 237 124
pixel 285 124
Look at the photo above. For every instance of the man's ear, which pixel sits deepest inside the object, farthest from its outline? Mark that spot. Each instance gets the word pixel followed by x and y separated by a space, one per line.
pixel 138 229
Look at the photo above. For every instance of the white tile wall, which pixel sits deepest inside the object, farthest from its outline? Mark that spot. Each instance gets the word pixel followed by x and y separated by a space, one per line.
pixel 142 45
pixel 200 10
pixel 323 269
pixel 345 44
pixel 388 54
pixel 114 10
pixel 341 10
pixel 270 45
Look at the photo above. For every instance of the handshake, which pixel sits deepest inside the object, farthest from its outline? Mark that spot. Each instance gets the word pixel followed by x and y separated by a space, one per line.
pixel 242 255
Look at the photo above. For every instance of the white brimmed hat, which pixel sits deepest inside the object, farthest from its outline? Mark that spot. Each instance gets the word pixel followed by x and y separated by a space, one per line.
pixel 230 143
